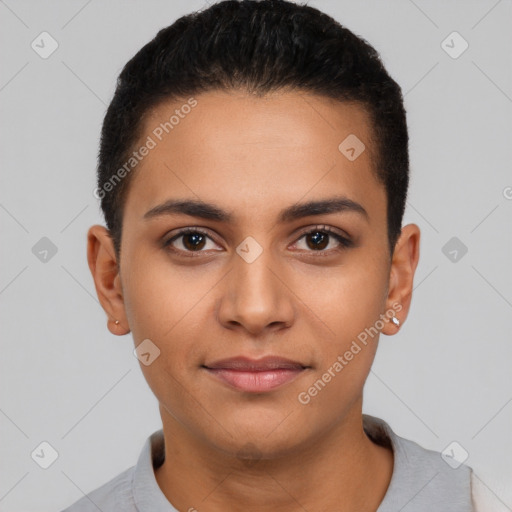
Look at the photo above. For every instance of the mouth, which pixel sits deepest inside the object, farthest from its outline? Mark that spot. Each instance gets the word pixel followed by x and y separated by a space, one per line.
pixel 255 375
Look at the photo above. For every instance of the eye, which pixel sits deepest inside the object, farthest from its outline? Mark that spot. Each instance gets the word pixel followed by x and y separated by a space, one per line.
pixel 320 237
pixel 195 240
pixel 192 240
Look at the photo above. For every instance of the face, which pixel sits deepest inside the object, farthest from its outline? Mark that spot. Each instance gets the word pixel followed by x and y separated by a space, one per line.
pixel 284 268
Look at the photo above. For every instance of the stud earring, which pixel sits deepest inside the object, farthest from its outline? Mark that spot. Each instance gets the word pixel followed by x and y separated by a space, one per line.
pixel 395 320
pixel 117 322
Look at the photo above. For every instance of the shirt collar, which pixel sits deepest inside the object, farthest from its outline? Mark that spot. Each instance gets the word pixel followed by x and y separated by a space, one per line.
pixel 147 494
pixel 381 433
pixel 149 497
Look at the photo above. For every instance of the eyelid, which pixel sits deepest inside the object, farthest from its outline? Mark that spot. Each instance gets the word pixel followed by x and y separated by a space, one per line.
pixel 184 231
pixel 328 229
pixel 341 236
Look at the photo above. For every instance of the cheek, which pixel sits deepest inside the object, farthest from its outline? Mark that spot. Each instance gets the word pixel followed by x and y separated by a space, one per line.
pixel 345 355
pixel 161 297
pixel 345 299
pixel 348 303
pixel 170 306
pixel 167 309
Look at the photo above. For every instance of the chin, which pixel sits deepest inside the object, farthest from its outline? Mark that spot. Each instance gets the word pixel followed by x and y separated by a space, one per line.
pixel 258 442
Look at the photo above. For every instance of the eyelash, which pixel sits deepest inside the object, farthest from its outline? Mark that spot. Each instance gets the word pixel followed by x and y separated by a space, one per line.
pixel 343 241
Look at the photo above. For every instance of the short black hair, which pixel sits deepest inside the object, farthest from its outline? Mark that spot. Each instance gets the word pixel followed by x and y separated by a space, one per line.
pixel 260 47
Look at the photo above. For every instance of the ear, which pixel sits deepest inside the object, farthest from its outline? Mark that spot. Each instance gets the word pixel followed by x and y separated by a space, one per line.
pixel 403 266
pixel 105 272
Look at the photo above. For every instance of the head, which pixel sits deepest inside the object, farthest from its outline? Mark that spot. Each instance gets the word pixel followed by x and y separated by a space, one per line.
pixel 263 124
pixel 258 47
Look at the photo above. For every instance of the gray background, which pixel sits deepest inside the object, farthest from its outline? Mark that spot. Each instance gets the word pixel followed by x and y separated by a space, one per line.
pixel 66 380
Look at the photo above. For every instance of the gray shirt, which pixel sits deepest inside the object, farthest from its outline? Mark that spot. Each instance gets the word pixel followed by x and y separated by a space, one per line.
pixel 421 481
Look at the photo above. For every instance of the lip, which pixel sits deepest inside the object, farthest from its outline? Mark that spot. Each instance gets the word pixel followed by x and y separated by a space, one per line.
pixel 242 363
pixel 255 375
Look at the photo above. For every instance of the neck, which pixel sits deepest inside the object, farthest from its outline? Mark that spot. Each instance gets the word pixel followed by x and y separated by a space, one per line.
pixel 342 469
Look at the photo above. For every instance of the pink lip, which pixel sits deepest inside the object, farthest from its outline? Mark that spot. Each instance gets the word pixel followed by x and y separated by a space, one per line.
pixel 253 375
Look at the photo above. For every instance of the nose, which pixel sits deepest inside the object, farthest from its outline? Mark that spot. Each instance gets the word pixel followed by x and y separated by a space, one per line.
pixel 256 297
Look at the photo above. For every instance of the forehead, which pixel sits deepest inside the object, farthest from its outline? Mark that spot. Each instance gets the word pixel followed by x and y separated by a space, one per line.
pixel 240 150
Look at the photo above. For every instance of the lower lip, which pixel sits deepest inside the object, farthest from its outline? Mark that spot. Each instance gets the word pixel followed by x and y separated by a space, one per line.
pixel 255 382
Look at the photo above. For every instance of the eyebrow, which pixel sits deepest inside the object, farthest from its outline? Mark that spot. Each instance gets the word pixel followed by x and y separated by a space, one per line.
pixel 208 211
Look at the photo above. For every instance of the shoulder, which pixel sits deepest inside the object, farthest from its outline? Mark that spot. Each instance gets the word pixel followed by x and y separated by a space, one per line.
pixel 422 479
pixel 114 495
pixel 486 495
pixel 444 468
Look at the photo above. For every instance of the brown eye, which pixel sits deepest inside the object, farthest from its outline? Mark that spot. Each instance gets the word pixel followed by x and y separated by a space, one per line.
pixel 194 241
pixel 189 240
pixel 318 239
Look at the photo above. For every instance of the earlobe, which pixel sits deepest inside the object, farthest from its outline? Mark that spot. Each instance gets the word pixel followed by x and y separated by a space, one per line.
pixel 115 327
pixel 105 272
pixel 401 277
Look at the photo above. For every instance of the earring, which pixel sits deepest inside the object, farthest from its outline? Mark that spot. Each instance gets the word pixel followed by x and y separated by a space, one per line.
pixel 117 322
pixel 395 320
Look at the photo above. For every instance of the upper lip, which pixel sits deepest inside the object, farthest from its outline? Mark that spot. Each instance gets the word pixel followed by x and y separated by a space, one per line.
pixel 264 364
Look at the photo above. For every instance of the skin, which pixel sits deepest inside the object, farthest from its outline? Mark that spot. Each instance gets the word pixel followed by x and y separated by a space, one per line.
pixel 226 449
